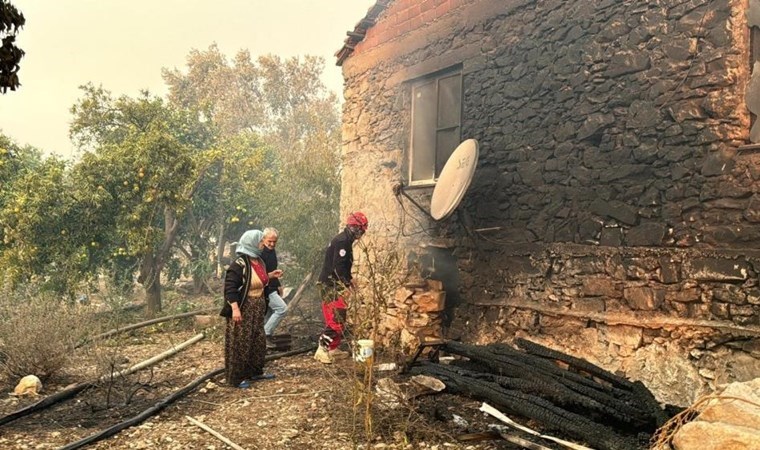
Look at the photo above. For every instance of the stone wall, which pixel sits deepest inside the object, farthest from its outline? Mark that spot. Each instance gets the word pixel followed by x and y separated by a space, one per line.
pixel 614 213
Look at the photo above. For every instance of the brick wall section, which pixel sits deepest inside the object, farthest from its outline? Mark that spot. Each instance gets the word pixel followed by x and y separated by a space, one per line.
pixel 609 177
pixel 403 16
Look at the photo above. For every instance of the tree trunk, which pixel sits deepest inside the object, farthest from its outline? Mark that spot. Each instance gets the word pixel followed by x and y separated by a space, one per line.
pixel 153 297
pixel 220 241
pixel 153 263
pixel 150 278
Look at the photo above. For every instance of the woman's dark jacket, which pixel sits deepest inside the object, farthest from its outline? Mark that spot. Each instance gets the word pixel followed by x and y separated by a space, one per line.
pixel 236 284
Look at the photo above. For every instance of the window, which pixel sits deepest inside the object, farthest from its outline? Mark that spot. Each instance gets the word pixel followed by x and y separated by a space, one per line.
pixel 436 124
pixel 754 56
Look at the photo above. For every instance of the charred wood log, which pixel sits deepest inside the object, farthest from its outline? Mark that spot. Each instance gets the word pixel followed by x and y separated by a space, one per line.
pixel 504 360
pixel 651 404
pixel 529 406
pixel 561 395
pixel 643 395
pixel 553 369
pixel 577 363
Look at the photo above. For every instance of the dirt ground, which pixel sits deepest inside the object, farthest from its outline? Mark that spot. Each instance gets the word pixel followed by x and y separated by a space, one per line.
pixel 306 406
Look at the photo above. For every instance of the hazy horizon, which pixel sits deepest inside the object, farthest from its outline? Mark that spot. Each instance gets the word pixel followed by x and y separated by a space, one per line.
pixel 123 46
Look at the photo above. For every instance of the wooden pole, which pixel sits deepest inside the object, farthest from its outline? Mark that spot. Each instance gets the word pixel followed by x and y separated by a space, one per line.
pixel 160 357
pixel 297 296
pixel 144 324
pixel 214 433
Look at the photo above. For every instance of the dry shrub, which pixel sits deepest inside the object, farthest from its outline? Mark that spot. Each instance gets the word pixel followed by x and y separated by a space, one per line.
pixel 356 409
pixel 379 271
pixel 114 387
pixel 38 334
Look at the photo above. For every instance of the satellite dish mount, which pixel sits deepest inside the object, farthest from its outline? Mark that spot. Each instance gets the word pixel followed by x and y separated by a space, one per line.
pixel 453 182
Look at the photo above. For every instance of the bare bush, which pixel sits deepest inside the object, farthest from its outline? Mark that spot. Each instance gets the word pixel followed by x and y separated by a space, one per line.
pixel 381 270
pixel 114 387
pixel 38 333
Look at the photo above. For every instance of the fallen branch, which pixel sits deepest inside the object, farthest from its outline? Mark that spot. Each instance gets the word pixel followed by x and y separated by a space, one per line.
pixel 155 409
pixel 214 433
pixel 76 389
pixel 135 326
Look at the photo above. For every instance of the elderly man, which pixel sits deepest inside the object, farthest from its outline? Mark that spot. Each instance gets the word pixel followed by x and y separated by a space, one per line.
pixel 274 291
pixel 336 284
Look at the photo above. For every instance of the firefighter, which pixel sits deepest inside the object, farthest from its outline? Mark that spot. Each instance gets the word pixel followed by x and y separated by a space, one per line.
pixel 336 286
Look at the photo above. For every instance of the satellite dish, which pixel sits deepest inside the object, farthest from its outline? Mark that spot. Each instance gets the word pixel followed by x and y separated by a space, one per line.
pixel 454 180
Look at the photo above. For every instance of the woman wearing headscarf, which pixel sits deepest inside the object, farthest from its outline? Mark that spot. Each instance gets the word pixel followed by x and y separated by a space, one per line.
pixel 245 308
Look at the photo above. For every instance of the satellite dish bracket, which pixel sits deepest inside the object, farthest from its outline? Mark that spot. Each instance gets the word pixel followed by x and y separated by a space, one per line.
pixel 451 184
pixel 399 190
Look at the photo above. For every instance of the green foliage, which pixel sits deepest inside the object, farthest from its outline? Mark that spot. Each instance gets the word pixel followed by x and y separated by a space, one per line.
pixel 294 186
pixel 162 186
pixel 225 195
pixel 11 20
pixel 140 172
pixel 15 163
pixel 229 94
pixel 41 224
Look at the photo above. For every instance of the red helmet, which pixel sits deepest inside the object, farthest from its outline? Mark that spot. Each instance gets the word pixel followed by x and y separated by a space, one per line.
pixel 357 219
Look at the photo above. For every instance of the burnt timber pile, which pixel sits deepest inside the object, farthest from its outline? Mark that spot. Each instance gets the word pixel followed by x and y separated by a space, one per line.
pixel 559 391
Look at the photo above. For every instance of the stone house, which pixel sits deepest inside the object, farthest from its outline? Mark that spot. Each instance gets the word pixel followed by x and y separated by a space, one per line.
pixel 615 208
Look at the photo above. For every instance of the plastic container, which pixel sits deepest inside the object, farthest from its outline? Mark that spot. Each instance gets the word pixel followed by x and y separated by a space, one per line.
pixel 365 351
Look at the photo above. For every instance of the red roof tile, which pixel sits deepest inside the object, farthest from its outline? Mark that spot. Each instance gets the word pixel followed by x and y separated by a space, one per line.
pixel 360 30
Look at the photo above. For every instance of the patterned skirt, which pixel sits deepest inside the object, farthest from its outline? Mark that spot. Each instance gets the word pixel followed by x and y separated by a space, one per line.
pixel 245 343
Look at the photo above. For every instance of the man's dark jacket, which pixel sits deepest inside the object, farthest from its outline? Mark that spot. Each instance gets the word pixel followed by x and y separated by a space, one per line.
pixel 270 262
pixel 339 257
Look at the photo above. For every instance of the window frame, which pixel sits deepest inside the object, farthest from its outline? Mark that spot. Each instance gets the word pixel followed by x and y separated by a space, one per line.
pixel 754 55
pixel 436 77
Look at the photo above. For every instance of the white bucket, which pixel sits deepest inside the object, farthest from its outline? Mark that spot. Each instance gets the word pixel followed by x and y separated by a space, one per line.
pixel 366 350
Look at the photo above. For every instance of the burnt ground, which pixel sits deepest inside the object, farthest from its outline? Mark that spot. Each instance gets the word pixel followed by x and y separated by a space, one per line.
pixel 307 406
